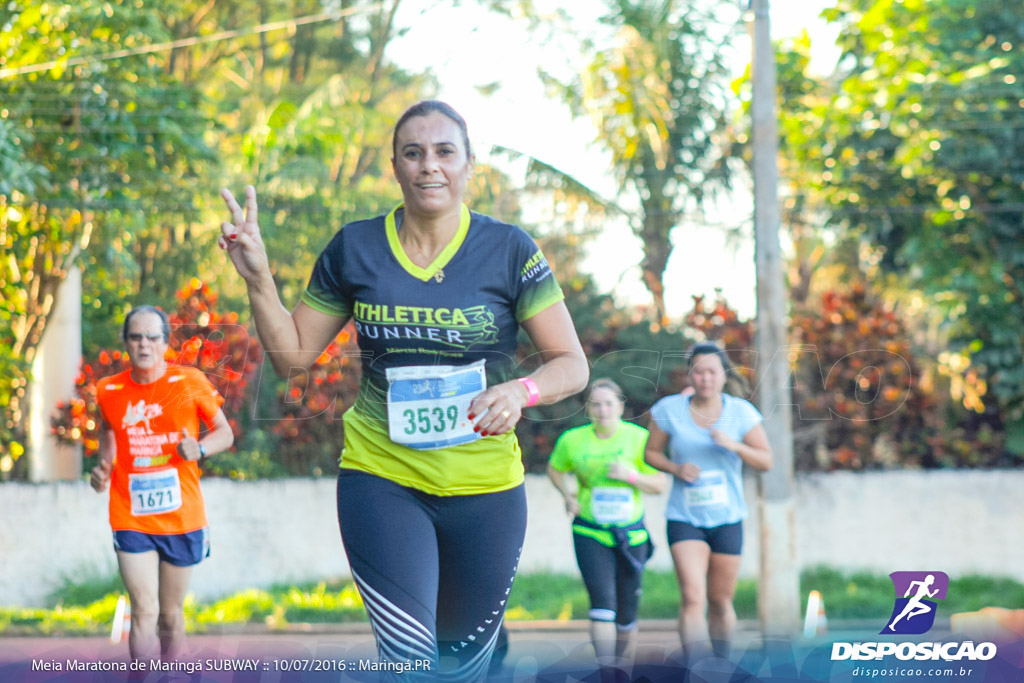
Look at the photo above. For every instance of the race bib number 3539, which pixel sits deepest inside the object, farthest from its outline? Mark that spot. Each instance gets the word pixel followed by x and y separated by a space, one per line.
pixel 428 405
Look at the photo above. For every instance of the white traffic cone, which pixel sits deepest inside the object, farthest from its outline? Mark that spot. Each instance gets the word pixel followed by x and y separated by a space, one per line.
pixel 122 620
pixel 815 623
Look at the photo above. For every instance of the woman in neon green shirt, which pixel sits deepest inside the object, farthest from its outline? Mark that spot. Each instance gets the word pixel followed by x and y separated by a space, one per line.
pixel 611 541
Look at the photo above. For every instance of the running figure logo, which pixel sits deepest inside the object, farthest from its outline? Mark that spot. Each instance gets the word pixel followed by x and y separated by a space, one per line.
pixel 914 613
pixel 141 412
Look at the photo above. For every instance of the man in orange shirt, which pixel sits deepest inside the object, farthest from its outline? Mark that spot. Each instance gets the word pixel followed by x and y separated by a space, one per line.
pixel 149 453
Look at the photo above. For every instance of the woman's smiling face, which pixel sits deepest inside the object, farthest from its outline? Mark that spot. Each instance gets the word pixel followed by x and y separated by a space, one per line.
pixel 431 164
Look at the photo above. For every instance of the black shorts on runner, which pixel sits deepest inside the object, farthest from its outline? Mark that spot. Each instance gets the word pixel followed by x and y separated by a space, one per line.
pixel 726 539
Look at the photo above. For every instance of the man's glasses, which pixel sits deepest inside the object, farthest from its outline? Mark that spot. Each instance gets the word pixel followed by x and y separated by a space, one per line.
pixel 137 337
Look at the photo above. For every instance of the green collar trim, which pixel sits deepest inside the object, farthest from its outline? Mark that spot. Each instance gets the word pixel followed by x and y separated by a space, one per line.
pixel 446 255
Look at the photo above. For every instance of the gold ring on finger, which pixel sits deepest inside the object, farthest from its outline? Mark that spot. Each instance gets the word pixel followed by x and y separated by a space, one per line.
pixel 505 414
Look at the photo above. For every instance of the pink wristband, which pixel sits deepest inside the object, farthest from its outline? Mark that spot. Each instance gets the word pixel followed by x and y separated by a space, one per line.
pixel 631 478
pixel 531 390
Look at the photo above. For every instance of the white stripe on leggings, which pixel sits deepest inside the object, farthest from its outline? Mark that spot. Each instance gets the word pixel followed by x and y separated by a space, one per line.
pixel 397 632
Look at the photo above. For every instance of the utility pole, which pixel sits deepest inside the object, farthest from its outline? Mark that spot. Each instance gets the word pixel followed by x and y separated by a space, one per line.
pixel 779 589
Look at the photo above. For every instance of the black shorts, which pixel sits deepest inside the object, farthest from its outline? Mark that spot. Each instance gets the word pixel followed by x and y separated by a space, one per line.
pixel 613 583
pixel 726 539
pixel 434 572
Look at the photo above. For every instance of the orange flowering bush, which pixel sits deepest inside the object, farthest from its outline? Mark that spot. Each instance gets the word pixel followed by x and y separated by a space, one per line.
pixel 861 400
pixel 200 337
pixel 306 435
pixel 216 344
pixel 78 420
pixel 859 395
pixel 310 426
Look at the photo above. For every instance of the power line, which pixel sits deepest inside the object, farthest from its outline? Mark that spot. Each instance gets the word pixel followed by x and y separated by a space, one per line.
pixel 874 209
pixel 187 42
pixel 312 207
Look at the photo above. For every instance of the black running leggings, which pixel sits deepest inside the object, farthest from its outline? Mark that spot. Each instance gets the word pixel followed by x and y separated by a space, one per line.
pixel 613 584
pixel 434 572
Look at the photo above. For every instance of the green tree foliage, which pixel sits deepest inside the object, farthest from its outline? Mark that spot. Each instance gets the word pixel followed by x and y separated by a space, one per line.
pixel 104 132
pixel 18 175
pixel 658 94
pixel 131 132
pixel 901 170
pixel 911 153
pixel 305 115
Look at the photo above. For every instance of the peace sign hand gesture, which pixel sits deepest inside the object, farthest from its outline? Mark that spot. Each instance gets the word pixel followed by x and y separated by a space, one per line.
pixel 241 236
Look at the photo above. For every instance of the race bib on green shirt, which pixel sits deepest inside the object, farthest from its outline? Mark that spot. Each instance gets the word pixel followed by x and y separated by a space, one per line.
pixel 612 504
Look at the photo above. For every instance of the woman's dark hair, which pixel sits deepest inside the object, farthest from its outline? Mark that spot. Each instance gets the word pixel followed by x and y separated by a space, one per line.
pixel 165 325
pixel 709 349
pixel 428 107
pixel 735 383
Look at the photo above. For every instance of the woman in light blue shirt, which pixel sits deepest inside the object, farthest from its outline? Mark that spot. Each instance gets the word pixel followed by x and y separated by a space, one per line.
pixel 709 435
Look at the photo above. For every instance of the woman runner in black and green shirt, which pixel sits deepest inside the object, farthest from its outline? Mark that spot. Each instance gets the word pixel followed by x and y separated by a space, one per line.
pixel 437 294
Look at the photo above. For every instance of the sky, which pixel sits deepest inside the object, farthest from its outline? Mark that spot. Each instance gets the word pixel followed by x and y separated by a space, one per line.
pixel 486 67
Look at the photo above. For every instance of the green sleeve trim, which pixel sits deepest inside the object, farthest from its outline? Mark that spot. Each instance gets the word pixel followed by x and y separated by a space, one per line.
pixel 322 306
pixel 542 305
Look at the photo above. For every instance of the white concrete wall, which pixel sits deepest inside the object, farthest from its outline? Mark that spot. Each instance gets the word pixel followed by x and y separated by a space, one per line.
pixel 959 522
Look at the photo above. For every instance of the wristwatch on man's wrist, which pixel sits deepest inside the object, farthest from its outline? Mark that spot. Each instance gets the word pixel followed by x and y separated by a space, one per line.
pixel 202 451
